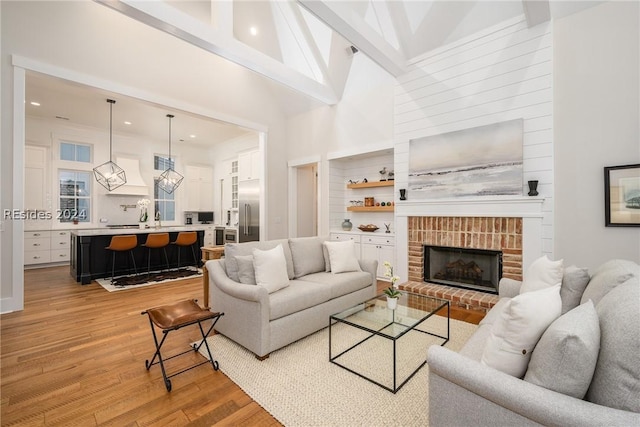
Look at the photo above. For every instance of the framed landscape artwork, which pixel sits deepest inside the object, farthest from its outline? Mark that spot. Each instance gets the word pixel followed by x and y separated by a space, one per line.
pixel 622 196
pixel 481 161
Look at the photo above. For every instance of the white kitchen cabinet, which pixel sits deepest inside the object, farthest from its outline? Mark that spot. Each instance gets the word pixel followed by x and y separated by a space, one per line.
pixel 209 236
pixel 199 180
pixel 343 237
pixel 46 246
pixel 35 178
pixel 381 248
pixel 249 166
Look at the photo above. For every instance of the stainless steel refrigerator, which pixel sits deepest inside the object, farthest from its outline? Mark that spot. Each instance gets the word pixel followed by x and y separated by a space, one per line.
pixel 249 210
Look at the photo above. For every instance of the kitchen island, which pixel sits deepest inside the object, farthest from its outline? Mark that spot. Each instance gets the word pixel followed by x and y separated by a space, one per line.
pixel 91 260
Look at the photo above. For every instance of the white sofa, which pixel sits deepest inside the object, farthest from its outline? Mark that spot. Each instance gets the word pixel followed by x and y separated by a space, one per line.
pixel 464 391
pixel 263 322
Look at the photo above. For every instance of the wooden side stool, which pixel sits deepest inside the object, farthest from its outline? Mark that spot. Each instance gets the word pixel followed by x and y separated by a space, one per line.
pixel 172 317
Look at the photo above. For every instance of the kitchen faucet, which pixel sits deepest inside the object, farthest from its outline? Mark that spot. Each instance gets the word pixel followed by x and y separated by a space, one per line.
pixel 158 224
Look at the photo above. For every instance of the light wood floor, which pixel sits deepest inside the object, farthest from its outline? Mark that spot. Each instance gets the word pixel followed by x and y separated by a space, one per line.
pixel 75 356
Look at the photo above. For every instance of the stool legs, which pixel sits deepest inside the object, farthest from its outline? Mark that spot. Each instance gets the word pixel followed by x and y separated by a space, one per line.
pixel 113 263
pixel 166 258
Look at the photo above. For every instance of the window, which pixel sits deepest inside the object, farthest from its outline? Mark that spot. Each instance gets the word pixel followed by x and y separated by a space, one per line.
pixel 75 152
pixel 75 196
pixel 162 163
pixel 165 203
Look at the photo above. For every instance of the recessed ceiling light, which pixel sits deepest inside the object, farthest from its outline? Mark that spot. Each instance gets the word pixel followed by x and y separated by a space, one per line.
pixel 127 123
pixel 192 136
pixel 35 104
pixel 253 31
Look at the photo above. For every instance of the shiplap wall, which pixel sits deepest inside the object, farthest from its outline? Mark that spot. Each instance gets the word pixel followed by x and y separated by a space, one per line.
pixel 500 74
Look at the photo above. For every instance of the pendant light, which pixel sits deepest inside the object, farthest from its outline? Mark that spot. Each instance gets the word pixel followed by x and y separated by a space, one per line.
pixel 110 175
pixel 169 179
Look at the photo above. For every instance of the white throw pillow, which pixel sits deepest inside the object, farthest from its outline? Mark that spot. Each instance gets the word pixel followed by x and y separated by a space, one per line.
pixel 342 256
pixel 542 273
pixel 270 269
pixel 517 331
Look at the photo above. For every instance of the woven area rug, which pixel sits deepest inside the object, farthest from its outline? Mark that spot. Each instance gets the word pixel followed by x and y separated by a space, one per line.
pixel 300 387
pixel 142 280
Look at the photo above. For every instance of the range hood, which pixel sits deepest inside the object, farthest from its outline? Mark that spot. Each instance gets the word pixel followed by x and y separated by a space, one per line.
pixel 135 185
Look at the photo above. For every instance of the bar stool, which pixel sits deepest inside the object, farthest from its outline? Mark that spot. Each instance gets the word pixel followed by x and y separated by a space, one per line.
pixel 124 243
pixel 186 238
pixel 172 317
pixel 156 241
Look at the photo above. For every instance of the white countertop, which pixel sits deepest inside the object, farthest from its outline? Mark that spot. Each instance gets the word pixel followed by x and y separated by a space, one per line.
pixel 116 231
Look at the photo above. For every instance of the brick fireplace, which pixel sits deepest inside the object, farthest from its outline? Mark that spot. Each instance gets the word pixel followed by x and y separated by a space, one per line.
pixel 503 234
pixel 498 234
pixel 512 225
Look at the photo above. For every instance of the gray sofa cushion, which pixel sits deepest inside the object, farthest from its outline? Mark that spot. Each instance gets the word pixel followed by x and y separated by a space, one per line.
pixel 565 357
pixel 340 284
pixel 608 276
pixel 231 250
pixel 296 297
pixel 307 255
pixel 616 381
pixel 246 272
pixel 574 281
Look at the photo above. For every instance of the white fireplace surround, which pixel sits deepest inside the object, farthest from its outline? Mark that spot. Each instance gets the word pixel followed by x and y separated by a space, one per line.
pixel 527 208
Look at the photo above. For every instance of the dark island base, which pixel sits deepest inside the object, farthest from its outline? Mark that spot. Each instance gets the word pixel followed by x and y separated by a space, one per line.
pixel 90 260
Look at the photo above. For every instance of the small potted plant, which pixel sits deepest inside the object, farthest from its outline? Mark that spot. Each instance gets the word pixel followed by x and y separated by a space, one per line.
pixel 392 291
pixel 144 214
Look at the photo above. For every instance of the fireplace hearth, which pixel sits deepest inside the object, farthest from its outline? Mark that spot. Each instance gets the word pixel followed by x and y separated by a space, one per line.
pixel 477 269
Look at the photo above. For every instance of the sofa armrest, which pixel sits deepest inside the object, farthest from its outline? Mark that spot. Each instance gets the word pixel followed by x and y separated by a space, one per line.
pixel 218 277
pixel 509 288
pixel 523 402
pixel 371 267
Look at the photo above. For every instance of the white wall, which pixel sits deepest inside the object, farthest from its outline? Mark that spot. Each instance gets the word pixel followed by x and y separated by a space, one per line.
pixel 361 122
pixel 97 44
pixel 597 124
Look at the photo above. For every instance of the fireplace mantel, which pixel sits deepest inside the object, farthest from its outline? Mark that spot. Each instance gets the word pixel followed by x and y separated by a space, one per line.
pixel 505 206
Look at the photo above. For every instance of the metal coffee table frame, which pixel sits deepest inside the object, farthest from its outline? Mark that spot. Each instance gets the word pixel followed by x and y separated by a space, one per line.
pixel 344 316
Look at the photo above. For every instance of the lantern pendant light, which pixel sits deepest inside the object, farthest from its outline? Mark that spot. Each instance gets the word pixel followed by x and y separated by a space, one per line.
pixel 109 174
pixel 169 179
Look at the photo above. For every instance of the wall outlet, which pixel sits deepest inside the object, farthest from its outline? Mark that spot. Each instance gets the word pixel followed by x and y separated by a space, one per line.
pixel 104 220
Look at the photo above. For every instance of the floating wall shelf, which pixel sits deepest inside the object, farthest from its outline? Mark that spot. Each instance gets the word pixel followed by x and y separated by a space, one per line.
pixel 370 208
pixel 372 184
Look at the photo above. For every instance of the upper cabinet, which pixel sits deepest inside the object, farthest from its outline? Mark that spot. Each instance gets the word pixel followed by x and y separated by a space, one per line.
pixel 249 166
pixel 199 180
pixel 35 177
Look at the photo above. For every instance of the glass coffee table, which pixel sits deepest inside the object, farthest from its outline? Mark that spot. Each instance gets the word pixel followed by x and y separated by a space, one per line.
pixel 384 346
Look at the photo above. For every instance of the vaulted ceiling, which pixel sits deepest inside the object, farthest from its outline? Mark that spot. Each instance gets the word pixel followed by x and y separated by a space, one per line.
pixel 304 45
pixel 308 45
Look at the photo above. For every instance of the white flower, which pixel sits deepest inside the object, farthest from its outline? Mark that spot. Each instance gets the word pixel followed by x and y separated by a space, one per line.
pixel 143 203
pixel 389 273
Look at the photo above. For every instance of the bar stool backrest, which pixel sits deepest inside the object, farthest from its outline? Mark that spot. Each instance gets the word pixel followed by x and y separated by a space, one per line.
pixel 186 238
pixel 123 243
pixel 157 240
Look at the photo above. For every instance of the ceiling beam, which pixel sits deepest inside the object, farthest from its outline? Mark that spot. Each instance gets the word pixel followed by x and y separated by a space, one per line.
pixel 353 28
pixel 172 21
pixel 536 11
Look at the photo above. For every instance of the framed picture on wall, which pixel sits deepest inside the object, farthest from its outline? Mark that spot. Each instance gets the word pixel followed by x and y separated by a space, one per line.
pixel 622 196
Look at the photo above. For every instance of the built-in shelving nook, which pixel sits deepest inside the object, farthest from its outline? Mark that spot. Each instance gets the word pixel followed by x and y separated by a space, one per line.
pixel 355 178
